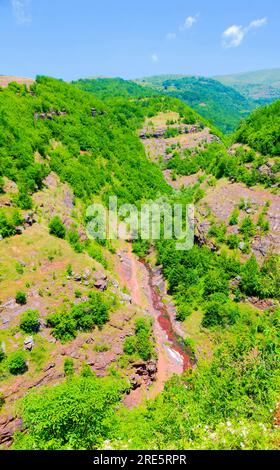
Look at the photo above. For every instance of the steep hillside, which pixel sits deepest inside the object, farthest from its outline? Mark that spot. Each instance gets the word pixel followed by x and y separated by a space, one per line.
pixel 75 135
pixel 222 105
pixel 263 85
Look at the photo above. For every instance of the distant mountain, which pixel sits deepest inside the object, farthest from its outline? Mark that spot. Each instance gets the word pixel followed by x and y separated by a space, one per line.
pixel 6 79
pixel 263 85
pixel 221 104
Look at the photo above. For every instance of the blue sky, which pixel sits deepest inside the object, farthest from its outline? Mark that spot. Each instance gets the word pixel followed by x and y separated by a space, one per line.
pixel 70 39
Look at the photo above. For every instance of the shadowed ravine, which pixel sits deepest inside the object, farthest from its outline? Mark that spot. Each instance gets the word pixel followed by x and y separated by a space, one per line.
pixel 176 346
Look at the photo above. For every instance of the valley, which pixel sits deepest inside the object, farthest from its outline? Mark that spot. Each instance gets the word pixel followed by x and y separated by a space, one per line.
pixel 146 346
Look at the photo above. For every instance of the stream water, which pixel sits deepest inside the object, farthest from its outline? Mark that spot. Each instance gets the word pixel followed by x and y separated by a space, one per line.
pixel 176 344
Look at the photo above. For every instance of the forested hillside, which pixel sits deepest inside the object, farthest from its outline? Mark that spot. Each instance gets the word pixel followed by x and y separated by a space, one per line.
pixel 93 140
pixel 222 105
pixel 261 130
pixel 113 87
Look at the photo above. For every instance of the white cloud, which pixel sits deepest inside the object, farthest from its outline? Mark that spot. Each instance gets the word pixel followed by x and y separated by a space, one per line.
pixel 258 23
pixel 171 36
pixel 155 57
pixel 189 22
pixel 21 10
pixel 234 35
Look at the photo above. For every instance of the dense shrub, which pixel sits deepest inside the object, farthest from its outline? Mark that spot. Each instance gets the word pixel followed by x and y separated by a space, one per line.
pixel 78 414
pixel 140 344
pixel 29 321
pixel 16 363
pixel 21 298
pixel 83 317
pixel 68 367
pixel 2 354
pixel 57 228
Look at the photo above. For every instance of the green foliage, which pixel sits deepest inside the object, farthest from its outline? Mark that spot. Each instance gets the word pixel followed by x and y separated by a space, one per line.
pixel 78 414
pixel 74 239
pixel 261 282
pixel 81 317
pixel 2 400
pixel 215 160
pixel 113 87
pixel 98 154
pixel 57 228
pixel 218 313
pixel 261 130
pixel 263 224
pixel 140 344
pixel 247 228
pixel 8 223
pixel 2 354
pixel 21 298
pixel 233 241
pixel 222 105
pixel 234 218
pixel 68 367
pixel 2 185
pixel 227 403
pixel 29 321
pixel 23 200
pixel 16 363
pixel 218 231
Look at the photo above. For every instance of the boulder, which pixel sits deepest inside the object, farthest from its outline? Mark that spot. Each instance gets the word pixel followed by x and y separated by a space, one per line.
pixel 125 298
pixel 28 343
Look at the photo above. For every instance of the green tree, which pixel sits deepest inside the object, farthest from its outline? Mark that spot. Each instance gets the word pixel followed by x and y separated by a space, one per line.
pixel 29 321
pixel 57 228
pixel 78 414
pixel 250 279
pixel 16 363
pixel 68 367
pixel 21 298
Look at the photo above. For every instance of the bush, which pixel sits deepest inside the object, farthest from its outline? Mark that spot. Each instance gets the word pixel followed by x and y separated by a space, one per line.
pixel 220 314
pixel 141 343
pixel 21 298
pixel 2 400
pixel 250 279
pixel 68 366
pixel 17 364
pixel 234 218
pixel 130 345
pixel 215 281
pixel 2 354
pixel 233 241
pixel 83 317
pixel 76 414
pixel 2 185
pixel 57 228
pixel 23 200
pixel 29 321
pixel 183 311
pixel 218 230
pixel 64 326
pixel 247 227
